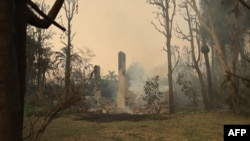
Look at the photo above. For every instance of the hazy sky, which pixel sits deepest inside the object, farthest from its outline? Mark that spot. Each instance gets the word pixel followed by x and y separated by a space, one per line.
pixel 110 26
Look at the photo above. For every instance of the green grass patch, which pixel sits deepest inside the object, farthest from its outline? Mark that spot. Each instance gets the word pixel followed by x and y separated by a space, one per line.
pixel 188 126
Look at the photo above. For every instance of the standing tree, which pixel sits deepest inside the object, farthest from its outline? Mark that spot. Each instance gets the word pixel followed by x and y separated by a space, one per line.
pixel 14 17
pixel 195 60
pixel 165 19
pixel 69 9
pixel 205 51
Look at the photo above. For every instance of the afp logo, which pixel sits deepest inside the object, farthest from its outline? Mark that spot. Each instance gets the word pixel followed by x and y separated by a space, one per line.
pixel 236 132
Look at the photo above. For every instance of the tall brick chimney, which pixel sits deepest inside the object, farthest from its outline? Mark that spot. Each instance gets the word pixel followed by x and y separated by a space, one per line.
pixel 122 80
pixel 97 79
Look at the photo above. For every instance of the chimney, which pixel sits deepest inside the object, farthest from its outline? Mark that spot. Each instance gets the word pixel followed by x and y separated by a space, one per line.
pixel 97 79
pixel 122 80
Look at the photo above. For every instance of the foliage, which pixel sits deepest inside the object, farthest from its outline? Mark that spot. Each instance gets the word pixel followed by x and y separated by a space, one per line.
pixel 153 94
pixel 39 53
pixel 111 76
pixel 80 68
pixel 188 89
pixel 60 58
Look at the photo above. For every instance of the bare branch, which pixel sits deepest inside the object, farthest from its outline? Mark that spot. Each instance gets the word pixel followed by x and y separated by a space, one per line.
pixel 240 77
pixel 177 62
pixel 64 43
pixel 164 49
pixel 72 37
pixel 245 4
pixel 198 41
pixel 180 33
pixel 157 3
pixel 69 9
pixel 158 17
pixel 193 5
pixel 163 32
pixel 172 17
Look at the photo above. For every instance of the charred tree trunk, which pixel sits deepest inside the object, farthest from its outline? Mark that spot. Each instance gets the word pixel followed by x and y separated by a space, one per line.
pixel 170 78
pixel 68 61
pixel 14 17
pixel 12 72
pixel 168 29
pixel 69 9
pixel 196 62
pixel 205 51
pixel 166 21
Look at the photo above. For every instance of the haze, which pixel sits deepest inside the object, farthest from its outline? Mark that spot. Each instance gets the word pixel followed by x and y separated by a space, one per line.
pixel 110 26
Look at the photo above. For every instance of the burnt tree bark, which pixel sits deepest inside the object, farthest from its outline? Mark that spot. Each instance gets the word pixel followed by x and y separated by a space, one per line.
pixel 14 17
pixel 69 9
pixel 205 51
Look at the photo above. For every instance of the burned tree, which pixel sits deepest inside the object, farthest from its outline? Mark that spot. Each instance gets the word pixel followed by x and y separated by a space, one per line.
pixel 195 60
pixel 218 41
pixel 165 19
pixel 205 50
pixel 14 17
pixel 69 9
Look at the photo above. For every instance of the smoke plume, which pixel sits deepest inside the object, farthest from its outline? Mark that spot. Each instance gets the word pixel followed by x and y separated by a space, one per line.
pixel 136 79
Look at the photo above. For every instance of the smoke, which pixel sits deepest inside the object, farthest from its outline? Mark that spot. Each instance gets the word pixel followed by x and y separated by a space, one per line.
pixel 136 78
